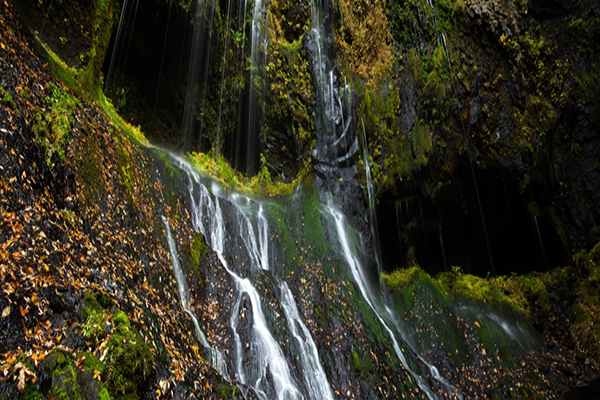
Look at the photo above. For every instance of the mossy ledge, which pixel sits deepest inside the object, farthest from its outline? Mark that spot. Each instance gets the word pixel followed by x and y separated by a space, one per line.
pixel 534 298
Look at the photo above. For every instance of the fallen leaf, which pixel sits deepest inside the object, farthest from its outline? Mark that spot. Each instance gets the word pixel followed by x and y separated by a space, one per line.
pixel 23 310
pixel 6 312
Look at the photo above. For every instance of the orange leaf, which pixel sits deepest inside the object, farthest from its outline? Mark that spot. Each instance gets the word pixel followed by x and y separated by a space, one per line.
pixel 23 311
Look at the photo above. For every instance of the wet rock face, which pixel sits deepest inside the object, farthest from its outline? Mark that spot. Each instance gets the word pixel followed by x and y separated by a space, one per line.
pixel 511 103
pixel 500 17
pixel 577 174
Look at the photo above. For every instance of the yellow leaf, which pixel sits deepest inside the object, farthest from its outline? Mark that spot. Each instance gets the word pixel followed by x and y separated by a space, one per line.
pixel 6 312
pixel 477 324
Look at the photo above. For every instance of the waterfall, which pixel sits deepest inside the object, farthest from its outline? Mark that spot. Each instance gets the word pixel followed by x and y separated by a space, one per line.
pixel 363 285
pixel 333 150
pixel 335 146
pixel 258 55
pixel 371 194
pixel 260 361
pixel 382 310
pixel 199 41
pixel 265 352
pixel 216 357
pixel 116 46
pixel 314 377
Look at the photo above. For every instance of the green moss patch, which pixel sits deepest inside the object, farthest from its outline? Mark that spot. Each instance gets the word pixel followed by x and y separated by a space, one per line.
pixel 493 291
pixel 198 249
pixel 260 184
pixel 121 360
pixel 53 125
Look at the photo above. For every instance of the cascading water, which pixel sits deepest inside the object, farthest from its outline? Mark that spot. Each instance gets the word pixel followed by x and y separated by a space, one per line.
pixel 357 273
pixel 335 145
pixel 216 357
pixel 258 54
pixel 371 194
pixel 316 382
pixel 327 151
pixel 259 360
pixel 265 356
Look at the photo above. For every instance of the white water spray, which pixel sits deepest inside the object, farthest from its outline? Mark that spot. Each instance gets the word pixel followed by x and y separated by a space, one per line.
pixel 314 377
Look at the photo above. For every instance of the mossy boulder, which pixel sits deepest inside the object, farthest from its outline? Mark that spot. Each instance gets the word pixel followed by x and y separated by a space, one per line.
pixel 127 361
pixel 117 365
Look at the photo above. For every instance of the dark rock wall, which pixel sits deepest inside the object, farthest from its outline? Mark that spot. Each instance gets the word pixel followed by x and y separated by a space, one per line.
pixel 455 97
pixel 483 95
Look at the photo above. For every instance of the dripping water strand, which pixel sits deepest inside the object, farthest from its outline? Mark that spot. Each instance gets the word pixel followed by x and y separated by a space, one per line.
pixel 371 196
pixel 162 58
pixel 256 67
pixel 239 56
pixel 137 3
pixel 223 64
pixel 192 78
pixel 399 233
pixel 206 76
pixel 45 19
pixel 541 243
pixel 485 234
pixel 116 45
pixel 216 357
pixel 359 278
pixel 443 249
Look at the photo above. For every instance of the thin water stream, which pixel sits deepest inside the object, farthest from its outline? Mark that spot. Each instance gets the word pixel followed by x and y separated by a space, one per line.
pixel 216 357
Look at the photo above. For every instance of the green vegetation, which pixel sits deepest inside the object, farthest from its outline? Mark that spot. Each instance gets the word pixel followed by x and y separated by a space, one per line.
pixel 86 82
pixel 516 293
pixel 52 127
pixel 227 392
pixel 289 92
pixel 132 132
pixel 127 361
pixel 495 292
pixel 231 179
pixel 5 97
pixel 356 363
pixel 198 248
